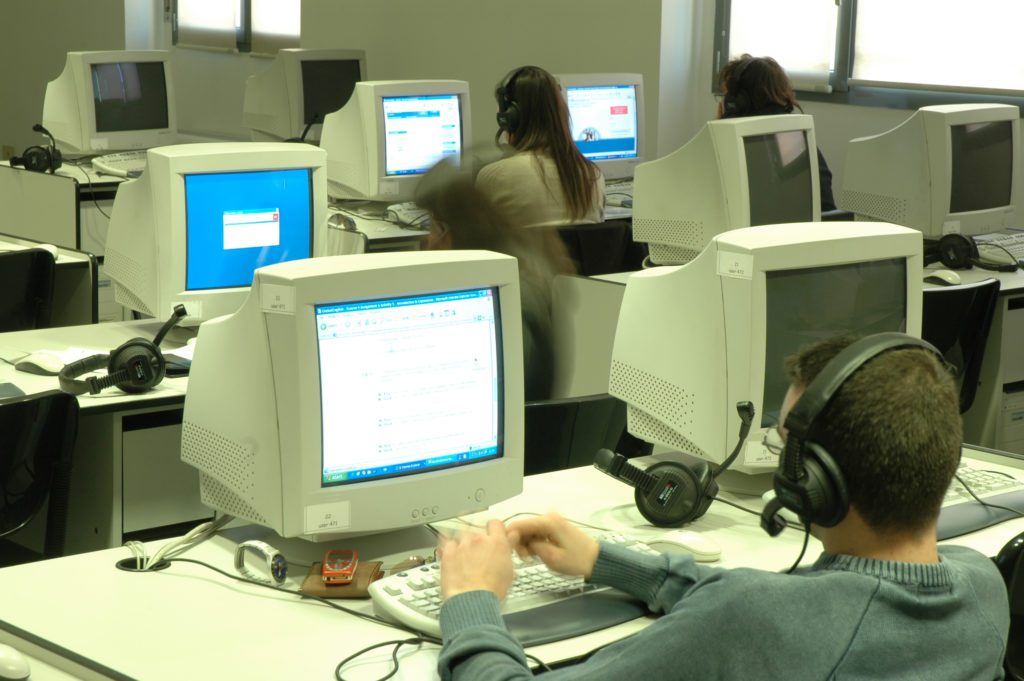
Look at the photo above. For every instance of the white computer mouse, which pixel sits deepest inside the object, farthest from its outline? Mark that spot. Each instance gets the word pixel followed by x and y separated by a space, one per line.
pixel 13 665
pixel 942 277
pixel 41 363
pixel 701 547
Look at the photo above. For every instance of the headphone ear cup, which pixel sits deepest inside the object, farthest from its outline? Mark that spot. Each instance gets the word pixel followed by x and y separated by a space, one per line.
pixel 818 494
pixel 957 252
pixel 36 159
pixel 136 366
pixel 682 495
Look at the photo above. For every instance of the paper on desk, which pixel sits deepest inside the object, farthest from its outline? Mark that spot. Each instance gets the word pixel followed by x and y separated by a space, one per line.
pixel 185 351
pixel 74 354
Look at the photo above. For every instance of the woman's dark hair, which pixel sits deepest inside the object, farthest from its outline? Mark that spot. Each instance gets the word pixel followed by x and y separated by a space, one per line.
pixel 763 82
pixel 543 126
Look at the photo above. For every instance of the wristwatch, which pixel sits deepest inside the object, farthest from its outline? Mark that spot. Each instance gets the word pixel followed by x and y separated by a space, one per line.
pixel 276 564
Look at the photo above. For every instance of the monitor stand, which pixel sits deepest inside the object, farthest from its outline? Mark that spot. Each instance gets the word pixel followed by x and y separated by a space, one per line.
pixel 388 547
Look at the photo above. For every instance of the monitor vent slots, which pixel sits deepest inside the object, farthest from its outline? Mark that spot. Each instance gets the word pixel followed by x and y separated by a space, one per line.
pixel 659 233
pixel 232 462
pixel 651 394
pixel 132 277
pixel 877 206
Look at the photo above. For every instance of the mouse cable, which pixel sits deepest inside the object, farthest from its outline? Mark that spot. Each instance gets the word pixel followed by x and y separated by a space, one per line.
pixel 982 501
pixel 751 511
pixel 418 640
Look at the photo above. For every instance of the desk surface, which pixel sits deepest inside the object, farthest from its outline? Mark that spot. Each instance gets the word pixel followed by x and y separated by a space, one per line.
pixel 163 624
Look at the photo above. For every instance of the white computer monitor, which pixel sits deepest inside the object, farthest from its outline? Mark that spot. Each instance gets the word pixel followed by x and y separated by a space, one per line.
pixel 952 168
pixel 694 340
pixel 361 394
pixel 110 101
pixel 299 89
pixel 606 116
pixel 203 217
pixel 736 172
pixel 390 133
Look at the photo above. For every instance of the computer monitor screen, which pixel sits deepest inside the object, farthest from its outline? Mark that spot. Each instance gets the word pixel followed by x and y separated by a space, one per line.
pixel 108 101
pixel 385 392
pixel 693 341
pixel 237 222
pixel 293 96
pixel 327 85
pixel 393 413
pixel 982 166
pixel 419 132
pixel 390 133
pixel 737 172
pixel 203 217
pixel 779 178
pixel 946 169
pixel 606 119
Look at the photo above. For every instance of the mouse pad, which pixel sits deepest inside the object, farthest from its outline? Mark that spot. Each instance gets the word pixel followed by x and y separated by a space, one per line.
pixel 10 390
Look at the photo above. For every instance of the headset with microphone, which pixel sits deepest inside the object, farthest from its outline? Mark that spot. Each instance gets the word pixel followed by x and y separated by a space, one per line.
pixel 959 252
pixel 672 493
pixel 40 159
pixel 509 115
pixel 135 366
pixel 808 481
pixel 736 102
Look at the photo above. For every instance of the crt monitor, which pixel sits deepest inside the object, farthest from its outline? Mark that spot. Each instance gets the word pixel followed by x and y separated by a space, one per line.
pixel 606 116
pixel 950 168
pixel 110 101
pixel 736 172
pixel 390 133
pixel 299 89
pixel 203 217
pixel 694 340
pixel 361 394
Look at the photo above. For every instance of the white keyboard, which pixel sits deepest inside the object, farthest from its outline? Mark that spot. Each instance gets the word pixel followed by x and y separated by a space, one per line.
pixel 961 514
pixel 1012 242
pixel 408 214
pixel 123 164
pixel 617 192
pixel 983 483
pixel 413 597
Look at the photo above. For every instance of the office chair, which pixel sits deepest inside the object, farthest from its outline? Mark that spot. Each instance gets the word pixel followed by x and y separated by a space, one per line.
pixel 37 436
pixel 1010 562
pixel 838 215
pixel 26 281
pixel 566 433
pixel 602 247
pixel 956 320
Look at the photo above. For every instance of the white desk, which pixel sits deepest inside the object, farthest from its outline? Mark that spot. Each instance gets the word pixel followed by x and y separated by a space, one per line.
pixel 189 621
pixel 127 475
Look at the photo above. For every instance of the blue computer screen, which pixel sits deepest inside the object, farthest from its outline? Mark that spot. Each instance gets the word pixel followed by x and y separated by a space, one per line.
pixel 604 121
pixel 426 392
pixel 236 222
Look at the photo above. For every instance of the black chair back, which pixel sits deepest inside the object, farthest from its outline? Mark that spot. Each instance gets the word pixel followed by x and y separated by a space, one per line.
pixel 1010 562
pixel 602 247
pixel 566 433
pixel 26 289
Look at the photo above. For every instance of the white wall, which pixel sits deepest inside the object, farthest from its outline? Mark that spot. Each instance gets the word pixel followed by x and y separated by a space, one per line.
pixel 37 35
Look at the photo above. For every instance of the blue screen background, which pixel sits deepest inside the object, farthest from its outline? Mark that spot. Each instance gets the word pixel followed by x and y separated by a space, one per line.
pixel 209 196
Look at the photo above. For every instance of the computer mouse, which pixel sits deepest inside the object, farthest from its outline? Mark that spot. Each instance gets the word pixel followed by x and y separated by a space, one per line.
pixel 702 548
pixel 41 363
pixel 13 665
pixel 942 277
pixel 341 221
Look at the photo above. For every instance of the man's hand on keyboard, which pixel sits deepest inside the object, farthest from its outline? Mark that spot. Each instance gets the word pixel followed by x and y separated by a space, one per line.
pixel 477 561
pixel 562 546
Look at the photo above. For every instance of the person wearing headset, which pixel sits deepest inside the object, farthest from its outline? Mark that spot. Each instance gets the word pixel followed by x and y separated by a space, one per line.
pixel 546 180
pixel 882 601
pixel 758 86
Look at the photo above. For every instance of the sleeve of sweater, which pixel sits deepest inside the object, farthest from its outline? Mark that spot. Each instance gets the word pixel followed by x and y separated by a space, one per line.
pixel 478 646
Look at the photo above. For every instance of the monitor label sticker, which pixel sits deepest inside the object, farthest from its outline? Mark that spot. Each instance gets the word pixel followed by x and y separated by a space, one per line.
pixel 738 265
pixel 277 298
pixel 951 227
pixel 333 517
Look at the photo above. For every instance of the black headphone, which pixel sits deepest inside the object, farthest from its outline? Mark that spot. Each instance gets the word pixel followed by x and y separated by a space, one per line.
pixel 808 481
pixel 509 115
pixel 736 101
pixel 134 366
pixel 959 252
pixel 673 493
pixel 40 159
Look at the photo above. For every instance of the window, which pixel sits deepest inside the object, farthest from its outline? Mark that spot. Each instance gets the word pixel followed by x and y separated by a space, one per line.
pixel 942 46
pixel 263 26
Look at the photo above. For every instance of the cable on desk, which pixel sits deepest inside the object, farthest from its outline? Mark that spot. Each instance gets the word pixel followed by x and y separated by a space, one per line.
pixel 982 501
pixel 394 656
pixel 88 180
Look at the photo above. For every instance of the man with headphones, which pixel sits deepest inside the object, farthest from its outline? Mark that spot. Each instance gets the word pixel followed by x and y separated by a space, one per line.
pixel 873 435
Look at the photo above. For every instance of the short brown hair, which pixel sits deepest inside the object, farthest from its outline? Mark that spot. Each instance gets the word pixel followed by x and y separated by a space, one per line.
pixel 893 428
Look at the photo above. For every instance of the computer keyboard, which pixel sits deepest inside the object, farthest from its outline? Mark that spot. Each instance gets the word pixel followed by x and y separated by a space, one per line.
pixel 123 164
pixel 619 193
pixel 961 514
pixel 408 214
pixel 1012 242
pixel 542 606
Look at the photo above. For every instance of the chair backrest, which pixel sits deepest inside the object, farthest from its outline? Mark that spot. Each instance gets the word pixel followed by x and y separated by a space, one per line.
pixel 602 247
pixel 1010 562
pixel 37 436
pixel 567 433
pixel 956 320
pixel 26 289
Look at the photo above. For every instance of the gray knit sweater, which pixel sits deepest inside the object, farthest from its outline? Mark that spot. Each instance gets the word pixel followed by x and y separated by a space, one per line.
pixel 844 618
